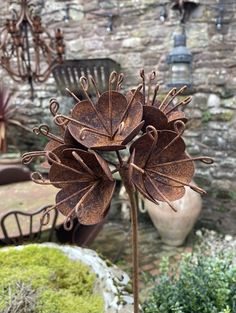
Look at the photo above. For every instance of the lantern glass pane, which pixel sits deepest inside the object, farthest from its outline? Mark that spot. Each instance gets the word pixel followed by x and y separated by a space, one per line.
pixel 180 73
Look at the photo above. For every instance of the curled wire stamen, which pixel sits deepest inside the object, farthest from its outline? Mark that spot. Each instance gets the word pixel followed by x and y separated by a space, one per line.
pixel 142 75
pixel 183 102
pixel 45 131
pixel 112 79
pixel 82 163
pixel 179 127
pixel 152 133
pixel 30 156
pixel 52 157
pixel 84 84
pixel 119 81
pixel 38 178
pixel 161 194
pixel 130 170
pixel 206 160
pixel 81 133
pixel 90 130
pixel 121 128
pixel 195 188
pixel 152 76
pixel 68 119
pixel 137 168
pixel 98 93
pixel 73 95
pixel 80 203
pixel 179 133
pixel 171 93
pixel 68 223
pixel 54 106
pixel 61 120
pixel 128 106
pixel 155 94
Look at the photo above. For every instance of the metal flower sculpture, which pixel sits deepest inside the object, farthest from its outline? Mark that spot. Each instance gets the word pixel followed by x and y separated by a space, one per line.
pixel 158 165
pixel 161 114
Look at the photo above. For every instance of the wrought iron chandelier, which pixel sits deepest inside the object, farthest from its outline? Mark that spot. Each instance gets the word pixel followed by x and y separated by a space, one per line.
pixel 27 51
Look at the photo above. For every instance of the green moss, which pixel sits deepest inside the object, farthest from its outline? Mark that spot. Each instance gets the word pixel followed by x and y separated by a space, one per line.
pixel 64 302
pixel 206 116
pixel 62 285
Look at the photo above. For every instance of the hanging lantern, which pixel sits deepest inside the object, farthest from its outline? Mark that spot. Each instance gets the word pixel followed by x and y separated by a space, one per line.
pixel 179 60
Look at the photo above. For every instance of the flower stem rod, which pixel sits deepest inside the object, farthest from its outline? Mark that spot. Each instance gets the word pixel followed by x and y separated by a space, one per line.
pixel 134 224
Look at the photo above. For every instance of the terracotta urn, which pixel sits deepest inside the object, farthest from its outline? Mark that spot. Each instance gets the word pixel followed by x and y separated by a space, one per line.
pixel 174 227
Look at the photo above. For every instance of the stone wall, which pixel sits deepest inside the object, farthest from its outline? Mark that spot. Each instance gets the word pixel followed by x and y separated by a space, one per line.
pixel 140 40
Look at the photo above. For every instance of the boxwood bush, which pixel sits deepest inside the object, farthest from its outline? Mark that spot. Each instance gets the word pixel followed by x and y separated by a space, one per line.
pixel 200 284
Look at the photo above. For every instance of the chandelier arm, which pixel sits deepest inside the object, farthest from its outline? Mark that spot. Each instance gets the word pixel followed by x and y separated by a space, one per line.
pixel 21 16
pixel 37 59
pixel 3 33
pixel 27 15
pixel 21 70
pixel 14 76
pixel 44 76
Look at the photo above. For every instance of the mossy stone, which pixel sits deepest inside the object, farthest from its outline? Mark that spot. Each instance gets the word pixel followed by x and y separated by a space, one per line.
pixel 61 285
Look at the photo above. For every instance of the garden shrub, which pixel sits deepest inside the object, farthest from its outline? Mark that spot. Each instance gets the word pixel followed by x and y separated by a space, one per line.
pixel 201 284
pixel 58 284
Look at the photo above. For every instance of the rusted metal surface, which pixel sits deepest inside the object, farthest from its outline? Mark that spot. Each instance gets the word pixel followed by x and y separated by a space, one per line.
pixel 158 165
pixel 161 114
pixel 26 47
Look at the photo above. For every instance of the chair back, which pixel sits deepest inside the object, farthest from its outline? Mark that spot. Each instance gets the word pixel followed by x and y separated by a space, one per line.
pixel 19 227
pixel 68 73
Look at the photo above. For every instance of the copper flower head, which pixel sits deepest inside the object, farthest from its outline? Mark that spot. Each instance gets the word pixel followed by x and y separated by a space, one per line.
pixel 85 181
pixel 109 123
pixel 161 114
pixel 159 166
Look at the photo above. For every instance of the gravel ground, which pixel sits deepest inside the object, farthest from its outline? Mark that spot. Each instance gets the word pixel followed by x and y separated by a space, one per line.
pixel 212 243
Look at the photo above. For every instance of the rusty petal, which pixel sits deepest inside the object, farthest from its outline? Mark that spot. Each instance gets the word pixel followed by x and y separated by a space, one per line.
pixel 95 206
pixel 176 115
pixel 69 140
pixel 165 175
pixel 155 117
pixel 87 184
pixel 68 197
pixel 117 125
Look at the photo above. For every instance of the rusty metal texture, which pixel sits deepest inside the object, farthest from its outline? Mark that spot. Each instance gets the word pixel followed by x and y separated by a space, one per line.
pixel 158 165
pixel 27 46
pixel 110 122
pixel 161 114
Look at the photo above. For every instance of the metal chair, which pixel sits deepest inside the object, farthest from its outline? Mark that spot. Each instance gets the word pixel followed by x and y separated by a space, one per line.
pixel 68 73
pixel 32 231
